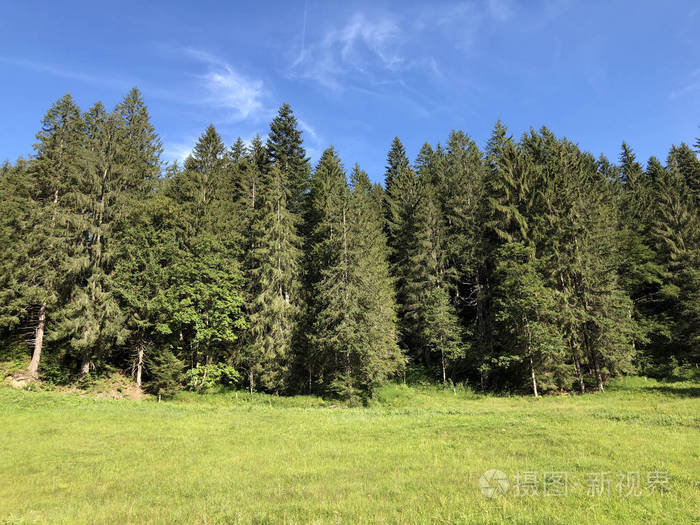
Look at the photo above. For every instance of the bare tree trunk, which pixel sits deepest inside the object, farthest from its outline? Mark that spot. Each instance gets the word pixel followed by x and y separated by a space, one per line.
pixel 532 364
pixel 38 341
pixel 596 368
pixel 85 366
pixel 534 380
pixel 139 364
pixel 442 361
pixel 600 378
pixel 579 374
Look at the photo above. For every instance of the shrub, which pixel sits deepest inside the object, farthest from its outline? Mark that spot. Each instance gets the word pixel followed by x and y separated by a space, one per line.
pixel 166 374
pixel 206 377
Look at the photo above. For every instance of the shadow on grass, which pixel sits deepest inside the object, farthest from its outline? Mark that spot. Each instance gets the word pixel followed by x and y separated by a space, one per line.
pixel 675 391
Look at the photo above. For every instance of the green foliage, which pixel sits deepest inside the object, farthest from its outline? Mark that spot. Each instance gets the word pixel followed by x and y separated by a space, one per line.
pixel 205 377
pixel 528 266
pixel 352 327
pixel 166 374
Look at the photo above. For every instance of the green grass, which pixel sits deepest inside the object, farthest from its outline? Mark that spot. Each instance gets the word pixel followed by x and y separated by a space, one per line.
pixel 414 455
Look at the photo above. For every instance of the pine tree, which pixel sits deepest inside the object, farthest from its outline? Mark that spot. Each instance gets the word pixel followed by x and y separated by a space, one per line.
pixel 92 318
pixel 273 276
pixel 137 266
pixel 502 214
pixel 43 246
pixel 527 314
pixel 461 197
pixel 285 148
pixel 353 335
pixel 371 286
pixel 140 272
pixel 429 313
pixel 640 274
pixel 685 161
pixel 401 200
pixel 18 211
pixel 677 235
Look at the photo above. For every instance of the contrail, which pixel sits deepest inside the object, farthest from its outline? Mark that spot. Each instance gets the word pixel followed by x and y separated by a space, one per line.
pixel 303 32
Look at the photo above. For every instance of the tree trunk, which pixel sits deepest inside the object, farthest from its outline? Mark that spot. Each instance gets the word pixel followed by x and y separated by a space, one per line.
pixel 38 341
pixel 442 361
pixel 596 368
pixel 85 366
pixel 600 378
pixel 579 374
pixel 534 379
pixel 139 364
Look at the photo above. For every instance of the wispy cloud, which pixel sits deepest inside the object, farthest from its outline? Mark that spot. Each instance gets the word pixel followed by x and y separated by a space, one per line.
pixel 313 142
pixel 690 86
pixel 360 46
pixel 63 72
pixel 306 128
pixel 178 151
pixel 375 47
pixel 229 89
pixel 501 10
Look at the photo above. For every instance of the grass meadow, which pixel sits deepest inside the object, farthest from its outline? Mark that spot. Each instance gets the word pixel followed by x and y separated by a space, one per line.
pixel 414 455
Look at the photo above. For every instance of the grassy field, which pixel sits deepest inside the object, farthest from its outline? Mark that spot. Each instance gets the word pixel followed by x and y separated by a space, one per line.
pixel 415 455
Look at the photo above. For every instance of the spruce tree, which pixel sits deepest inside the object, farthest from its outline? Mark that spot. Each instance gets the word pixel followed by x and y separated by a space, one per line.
pixel 401 199
pixel 273 277
pixel 42 256
pixel 677 236
pixel 137 267
pixel 285 149
pixel 429 312
pixel 92 318
pixel 462 195
pixel 526 313
pixel 353 334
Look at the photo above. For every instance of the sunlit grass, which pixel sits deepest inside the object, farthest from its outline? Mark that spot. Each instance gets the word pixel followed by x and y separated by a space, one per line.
pixel 414 455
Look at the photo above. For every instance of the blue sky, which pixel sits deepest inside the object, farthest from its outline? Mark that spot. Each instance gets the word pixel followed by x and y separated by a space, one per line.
pixel 359 73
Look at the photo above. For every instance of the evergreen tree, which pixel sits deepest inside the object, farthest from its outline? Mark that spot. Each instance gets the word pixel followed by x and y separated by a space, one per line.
pixel 285 148
pixel 353 336
pixel 639 272
pixel 92 318
pixel 401 199
pixel 677 236
pixel 273 273
pixel 137 268
pixel 461 197
pixel 44 245
pixel 428 310
pixel 202 301
pixel 527 315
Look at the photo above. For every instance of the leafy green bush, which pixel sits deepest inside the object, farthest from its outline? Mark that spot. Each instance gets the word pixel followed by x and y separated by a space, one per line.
pixel 206 377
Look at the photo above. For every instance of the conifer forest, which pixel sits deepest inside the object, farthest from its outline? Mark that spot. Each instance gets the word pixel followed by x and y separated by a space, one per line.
pixel 523 265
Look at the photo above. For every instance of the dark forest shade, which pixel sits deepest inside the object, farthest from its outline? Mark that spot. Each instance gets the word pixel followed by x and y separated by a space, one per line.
pixel 529 267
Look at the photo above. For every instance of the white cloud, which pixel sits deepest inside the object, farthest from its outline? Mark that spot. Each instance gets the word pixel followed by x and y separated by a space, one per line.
pixel 362 44
pixel 178 151
pixel 228 88
pixel 306 128
pixel 374 47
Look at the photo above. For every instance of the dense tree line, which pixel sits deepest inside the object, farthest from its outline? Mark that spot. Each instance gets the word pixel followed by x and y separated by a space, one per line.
pixel 528 266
